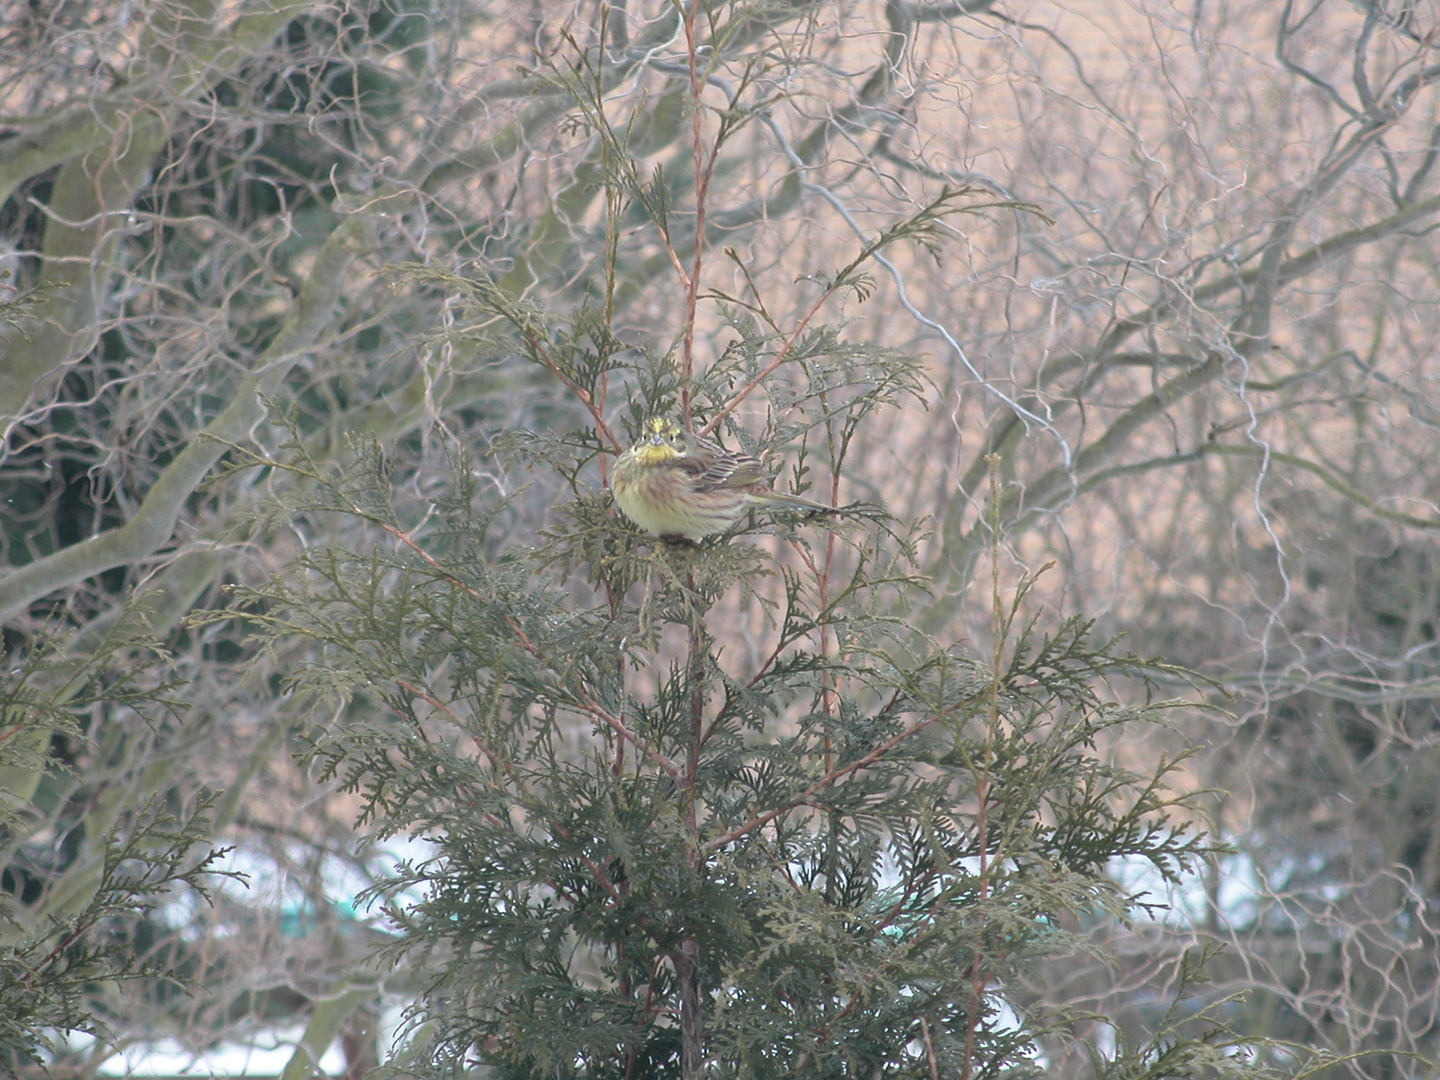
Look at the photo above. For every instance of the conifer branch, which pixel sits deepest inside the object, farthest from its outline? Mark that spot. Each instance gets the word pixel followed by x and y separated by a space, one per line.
pixel 759 820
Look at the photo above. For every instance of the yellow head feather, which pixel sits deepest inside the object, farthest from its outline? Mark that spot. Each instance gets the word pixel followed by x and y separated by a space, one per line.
pixel 661 440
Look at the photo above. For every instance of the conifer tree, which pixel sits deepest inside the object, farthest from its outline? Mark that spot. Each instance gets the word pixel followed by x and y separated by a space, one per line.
pixel 658 852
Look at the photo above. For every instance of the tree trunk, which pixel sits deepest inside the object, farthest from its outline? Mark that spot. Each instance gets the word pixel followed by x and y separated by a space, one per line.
pixel 692 1028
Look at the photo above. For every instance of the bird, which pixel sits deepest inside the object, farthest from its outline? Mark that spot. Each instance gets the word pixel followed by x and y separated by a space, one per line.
pixel 682 488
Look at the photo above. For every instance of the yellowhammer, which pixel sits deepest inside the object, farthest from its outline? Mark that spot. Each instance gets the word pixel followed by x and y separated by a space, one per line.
pixel 679 487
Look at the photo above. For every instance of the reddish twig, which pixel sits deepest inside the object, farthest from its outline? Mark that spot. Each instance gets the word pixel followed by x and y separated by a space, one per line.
pixel 586 398
pixel 744 392
pixel 704 171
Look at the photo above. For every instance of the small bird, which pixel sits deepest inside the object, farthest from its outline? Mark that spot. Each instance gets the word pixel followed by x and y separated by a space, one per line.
pixel 679 488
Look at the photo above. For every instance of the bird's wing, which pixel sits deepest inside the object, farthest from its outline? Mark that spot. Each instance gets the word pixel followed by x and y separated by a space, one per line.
pixel 722 470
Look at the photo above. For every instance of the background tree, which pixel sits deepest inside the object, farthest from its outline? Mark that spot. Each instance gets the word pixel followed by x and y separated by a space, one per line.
pixel 60 973
pixel 1208 380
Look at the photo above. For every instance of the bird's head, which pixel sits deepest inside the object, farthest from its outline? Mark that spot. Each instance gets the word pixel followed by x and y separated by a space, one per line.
pixel 661 440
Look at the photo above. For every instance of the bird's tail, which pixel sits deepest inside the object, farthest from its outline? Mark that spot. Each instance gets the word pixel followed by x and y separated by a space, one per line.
pixel 799 502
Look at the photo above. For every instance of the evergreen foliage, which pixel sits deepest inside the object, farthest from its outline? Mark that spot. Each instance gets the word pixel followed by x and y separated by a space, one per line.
pixel 652 859
pixel 126 847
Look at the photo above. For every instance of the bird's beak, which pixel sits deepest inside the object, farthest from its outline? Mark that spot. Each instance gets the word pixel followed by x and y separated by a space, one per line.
pixel 657 439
